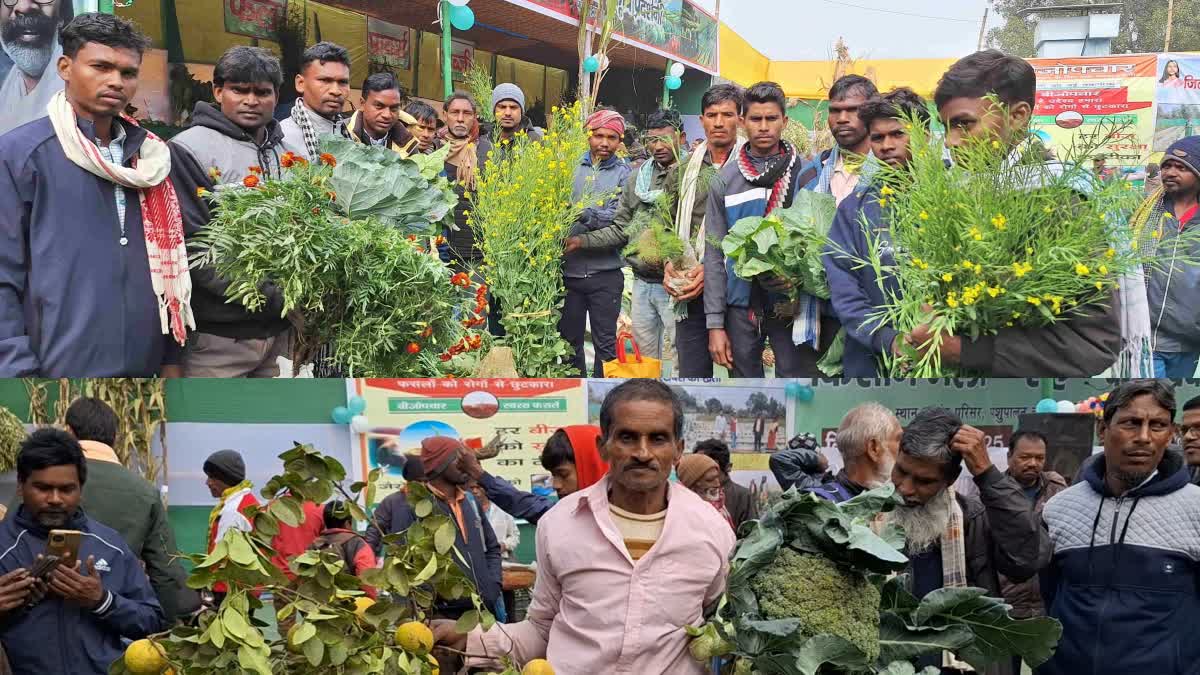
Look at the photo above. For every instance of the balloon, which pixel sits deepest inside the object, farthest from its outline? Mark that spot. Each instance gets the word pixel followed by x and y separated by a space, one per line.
pixel 677 70
pixel 793 389
pixel 459 3
pixel 359 424
pixel 462 17
pixel 1083 407
pixel 342 415
pixel 674 83
pixel 603 59
pixel 357 405
pixel 805 395
pixel 591 64
pixel 1066 407
pixel 1047 405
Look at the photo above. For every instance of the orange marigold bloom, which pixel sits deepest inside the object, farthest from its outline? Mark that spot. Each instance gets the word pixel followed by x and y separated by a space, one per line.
pixel 327 159
pixel 250 181
pixel 288 159
pixel 332 195
pixel 256 169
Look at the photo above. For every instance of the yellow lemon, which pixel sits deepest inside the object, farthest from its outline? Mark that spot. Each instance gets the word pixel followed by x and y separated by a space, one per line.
pixel 143 657
pixel 414 637
pixel 361 605
pixel 538 667
pixel 433 663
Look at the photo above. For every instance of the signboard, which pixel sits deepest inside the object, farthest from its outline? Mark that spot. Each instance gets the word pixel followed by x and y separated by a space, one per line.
pixel 462 58
pixel 28 75
pixel 1077 97
pixel 1178 97
pixel 255 18
pixel 523 412
pixel 389 47
pixel 678 27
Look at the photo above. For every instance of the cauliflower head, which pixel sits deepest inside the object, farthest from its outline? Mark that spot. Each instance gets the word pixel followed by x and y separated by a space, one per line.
pixel 824 597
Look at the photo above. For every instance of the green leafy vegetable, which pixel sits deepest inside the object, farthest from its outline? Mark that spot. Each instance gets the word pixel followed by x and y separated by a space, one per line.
pixel 370 181
pixel 789 243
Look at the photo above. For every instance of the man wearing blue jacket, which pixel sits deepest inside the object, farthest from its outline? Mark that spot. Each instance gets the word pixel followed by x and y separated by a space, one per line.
pixel 741 314
pixel 856 292
pixel 592 275
pixel 77 619
pixel 1124 579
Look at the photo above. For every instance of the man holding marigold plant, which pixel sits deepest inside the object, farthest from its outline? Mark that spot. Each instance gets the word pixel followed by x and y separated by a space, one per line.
pixel 235 141
pixel 1011 264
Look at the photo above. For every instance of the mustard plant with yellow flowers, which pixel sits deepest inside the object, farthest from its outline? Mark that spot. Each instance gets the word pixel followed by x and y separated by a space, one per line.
pixel 1001 240
pixel 522 210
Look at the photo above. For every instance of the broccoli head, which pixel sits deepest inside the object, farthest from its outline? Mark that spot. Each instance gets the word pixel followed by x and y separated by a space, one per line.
pixel 824 597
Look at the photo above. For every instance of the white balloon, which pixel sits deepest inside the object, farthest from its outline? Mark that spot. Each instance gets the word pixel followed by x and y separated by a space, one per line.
pixel 459 3
pixel 360 424
pixel 603 59
pixel 1066 407
pixel 678 69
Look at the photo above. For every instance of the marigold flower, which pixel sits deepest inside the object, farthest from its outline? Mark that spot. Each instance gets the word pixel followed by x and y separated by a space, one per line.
pixel 256 169
pixel 200 192
pixel 413 348
pixel 250 181
pixel 288 160
pixel 328 159
pixel 214 173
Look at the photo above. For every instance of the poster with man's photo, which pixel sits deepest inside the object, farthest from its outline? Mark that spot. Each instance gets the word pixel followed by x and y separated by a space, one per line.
pixel 29 51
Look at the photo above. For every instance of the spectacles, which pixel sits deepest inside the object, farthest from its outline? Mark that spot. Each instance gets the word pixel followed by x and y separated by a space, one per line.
pixel 1185 430
pixel 40 3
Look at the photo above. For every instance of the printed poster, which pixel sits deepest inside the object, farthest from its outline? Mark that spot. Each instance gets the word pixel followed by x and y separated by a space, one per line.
pixel 28 58
pixel 255 18
pixel 523 413
pixel 462 58
pixel 1178 97
pixel 389 47
pixel 1081 97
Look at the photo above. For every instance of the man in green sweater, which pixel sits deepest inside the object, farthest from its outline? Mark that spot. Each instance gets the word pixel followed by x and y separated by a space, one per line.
pixel 126 502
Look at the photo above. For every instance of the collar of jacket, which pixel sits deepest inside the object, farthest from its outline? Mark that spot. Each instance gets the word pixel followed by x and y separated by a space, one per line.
pixel 210 116
pixel 603 166
pixel 400 139
pixel 25 521
pixel 1173 474
pixel 134 135
pixel 99 452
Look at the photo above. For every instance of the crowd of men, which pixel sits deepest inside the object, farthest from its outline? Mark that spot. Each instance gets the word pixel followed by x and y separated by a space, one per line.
pixel 85 183
pixel 636 547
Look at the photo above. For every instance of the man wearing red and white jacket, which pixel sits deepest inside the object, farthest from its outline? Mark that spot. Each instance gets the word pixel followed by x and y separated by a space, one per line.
pixel 226 472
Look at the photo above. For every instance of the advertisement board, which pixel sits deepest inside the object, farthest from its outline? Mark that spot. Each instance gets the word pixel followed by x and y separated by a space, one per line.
pixel 389 47
pixel 1177 95
pixel 255 18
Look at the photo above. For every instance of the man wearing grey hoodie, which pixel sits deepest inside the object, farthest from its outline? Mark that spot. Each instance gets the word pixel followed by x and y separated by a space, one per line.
pixel 227 142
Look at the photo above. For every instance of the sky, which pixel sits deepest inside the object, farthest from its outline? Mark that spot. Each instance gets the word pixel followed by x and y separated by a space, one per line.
pixel 804 30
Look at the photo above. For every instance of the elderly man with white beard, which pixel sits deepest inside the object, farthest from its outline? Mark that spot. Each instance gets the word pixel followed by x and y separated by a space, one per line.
pixel 868 440
pixel 29 37
pixel 954 539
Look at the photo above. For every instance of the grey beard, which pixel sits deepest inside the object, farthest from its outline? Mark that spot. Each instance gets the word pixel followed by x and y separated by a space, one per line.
pixel 29 59
pixel 923 525
pixel 1131 480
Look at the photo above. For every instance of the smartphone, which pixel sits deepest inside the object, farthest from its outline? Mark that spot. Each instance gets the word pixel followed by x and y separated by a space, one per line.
pixel 65 545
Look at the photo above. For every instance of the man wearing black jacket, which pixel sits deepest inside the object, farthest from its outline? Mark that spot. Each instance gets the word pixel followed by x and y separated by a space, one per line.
pixel 233 141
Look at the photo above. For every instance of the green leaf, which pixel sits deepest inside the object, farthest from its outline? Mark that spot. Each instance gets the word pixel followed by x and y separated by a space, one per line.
pixel 240 551
pixel 766 237
pixel 997 636
pixel 467 622
pixel 427 572
pixel 337 654
pixel 423 508
pixel 901 642
pixel 753 267
pixel 906 668
pixel 829 649
pixel 303 633
pixel 254 660
pixel 287 511
pixel 234 624
pixel 443 539
pixel 314 651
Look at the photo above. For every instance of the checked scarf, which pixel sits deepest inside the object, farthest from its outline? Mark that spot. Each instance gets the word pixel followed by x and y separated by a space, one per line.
pixel 954 563
pixel 300 115
pixel 162 220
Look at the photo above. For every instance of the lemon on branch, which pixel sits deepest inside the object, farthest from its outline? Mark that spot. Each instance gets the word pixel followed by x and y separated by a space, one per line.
pixel 361 605
pixel 538 667
pixel 144 657
pixel 414 637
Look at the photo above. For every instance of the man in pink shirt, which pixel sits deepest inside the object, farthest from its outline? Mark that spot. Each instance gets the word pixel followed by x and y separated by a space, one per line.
pixel 624 565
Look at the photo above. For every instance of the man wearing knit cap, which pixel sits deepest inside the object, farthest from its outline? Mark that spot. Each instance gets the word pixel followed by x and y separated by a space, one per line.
pixel 1174 284
pixel 508 107
pixel 700 474
pixel 593 277
pixel 226 473
pixel 443 460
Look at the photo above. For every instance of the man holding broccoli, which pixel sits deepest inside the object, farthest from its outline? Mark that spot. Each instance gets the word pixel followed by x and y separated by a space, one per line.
pixel 955 540
pixel 625 565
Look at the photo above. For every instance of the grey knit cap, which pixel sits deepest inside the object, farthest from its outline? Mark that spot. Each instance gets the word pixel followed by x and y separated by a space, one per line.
pixel 226 466
pixel 508 92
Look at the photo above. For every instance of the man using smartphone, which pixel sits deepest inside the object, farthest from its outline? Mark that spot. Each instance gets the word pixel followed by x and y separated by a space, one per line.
pixel 99 599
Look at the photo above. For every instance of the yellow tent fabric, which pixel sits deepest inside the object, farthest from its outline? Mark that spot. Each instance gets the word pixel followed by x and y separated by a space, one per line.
pixel 741 62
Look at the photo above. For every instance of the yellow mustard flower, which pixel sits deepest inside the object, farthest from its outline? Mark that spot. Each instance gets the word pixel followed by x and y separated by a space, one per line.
pixel 886 191
pixel 923 215
pixel 976 234
pixel 947 277
pixel 1082 270
pixel 1033 301
pixel 999 221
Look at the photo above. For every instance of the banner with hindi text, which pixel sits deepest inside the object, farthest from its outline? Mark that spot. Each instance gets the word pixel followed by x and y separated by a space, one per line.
pixel 389 47
pixel 255 18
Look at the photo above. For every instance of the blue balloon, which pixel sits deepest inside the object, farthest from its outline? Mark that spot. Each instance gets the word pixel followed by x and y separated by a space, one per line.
pixel 591 64
pixel 1047 405
pixel 674 83
pixel 342 415
pixel 462 18
pixel 793 389
pixel 805 395
pixel 357 405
